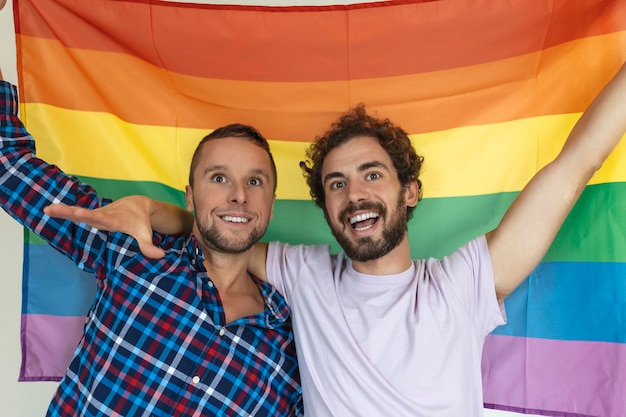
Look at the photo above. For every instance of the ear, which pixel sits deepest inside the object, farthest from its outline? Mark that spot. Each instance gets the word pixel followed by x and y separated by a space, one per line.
pixel 412 193
pixel 272 209
pixel 189 198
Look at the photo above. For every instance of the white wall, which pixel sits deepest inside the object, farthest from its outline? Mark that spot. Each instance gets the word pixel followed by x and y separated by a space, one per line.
pixel 30 399
pixel 16 399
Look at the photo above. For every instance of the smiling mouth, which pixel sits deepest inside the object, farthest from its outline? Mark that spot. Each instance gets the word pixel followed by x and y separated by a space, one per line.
pixel 363 221
pixel 235 219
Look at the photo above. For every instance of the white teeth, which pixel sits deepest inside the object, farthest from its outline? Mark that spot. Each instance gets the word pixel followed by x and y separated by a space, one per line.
pixel 363 217
pixel 235 219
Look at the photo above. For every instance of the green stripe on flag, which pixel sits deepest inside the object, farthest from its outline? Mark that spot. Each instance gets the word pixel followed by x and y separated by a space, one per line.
pixel 594 231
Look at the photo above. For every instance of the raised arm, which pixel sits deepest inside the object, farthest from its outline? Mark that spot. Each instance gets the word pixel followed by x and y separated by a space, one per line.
pixel 28 183
pixel 528 228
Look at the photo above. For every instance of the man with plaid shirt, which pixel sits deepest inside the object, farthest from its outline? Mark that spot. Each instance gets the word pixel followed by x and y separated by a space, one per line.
pixel 190 334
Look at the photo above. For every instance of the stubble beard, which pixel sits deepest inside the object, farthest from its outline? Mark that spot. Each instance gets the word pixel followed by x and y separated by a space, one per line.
pixel 213 238
pixel 367 248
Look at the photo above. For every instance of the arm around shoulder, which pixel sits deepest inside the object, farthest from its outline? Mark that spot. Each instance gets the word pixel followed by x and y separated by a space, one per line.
pixel 258 260
pixel 134 215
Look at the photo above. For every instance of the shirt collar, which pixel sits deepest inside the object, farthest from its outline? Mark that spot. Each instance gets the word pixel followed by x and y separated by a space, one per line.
pixel 276 309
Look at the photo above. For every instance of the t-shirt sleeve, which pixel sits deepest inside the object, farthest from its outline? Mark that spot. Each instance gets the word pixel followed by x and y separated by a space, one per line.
pixel 286 264
pixel 468 273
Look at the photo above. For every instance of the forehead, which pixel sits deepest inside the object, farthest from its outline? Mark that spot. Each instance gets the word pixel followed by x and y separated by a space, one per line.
pixel 234 153
pixel 216 148
pixel 352 154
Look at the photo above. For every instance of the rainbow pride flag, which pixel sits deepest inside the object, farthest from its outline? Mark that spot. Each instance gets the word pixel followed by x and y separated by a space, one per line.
pixel 119 92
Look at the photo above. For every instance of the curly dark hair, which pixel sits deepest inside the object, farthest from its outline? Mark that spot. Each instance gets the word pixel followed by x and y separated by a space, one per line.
pixel 357 122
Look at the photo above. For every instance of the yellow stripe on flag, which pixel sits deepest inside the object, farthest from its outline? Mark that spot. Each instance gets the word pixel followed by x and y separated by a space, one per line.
pixel 493 158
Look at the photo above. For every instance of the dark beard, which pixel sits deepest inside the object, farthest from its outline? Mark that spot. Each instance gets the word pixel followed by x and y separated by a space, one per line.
pixel 212 238
pixel 367 249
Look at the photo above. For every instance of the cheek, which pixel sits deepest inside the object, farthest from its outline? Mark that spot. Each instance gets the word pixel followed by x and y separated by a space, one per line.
pixel 333 206
pixel 262 203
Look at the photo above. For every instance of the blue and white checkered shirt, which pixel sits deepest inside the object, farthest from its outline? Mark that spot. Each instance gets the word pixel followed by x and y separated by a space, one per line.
pixel 156 342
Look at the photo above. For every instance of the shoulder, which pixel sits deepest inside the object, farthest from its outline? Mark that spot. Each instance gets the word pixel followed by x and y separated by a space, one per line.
pixel 472 257
pixel 475 249
pixel 287 250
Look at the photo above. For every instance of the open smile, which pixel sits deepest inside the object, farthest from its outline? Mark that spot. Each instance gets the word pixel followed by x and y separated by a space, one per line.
pixel 364 221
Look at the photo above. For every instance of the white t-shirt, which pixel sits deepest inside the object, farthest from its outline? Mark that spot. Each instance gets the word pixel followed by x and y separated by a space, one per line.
pixel 408 344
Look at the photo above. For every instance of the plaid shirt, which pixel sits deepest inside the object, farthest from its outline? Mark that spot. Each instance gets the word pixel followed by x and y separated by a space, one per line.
pixel 156 342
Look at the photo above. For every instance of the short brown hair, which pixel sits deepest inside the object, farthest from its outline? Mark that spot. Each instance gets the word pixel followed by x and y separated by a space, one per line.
pixel 235 130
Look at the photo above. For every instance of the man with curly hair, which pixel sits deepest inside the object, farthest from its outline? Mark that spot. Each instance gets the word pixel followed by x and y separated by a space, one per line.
pixel 380 334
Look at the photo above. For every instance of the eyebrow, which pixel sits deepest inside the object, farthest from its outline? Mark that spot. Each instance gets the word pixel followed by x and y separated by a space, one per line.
pixel 210 169
pixel 373 164
pixel 363 167
pixel 254 172
pixel 261 173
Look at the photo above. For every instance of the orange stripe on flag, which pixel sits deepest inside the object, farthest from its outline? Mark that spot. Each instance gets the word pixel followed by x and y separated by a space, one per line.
pixel 532 85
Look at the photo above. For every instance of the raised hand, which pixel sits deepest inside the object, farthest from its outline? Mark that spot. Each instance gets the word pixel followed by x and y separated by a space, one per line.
pixel 130 215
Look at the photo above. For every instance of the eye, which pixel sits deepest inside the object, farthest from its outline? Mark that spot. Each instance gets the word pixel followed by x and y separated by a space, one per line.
pixel 373 176
pixel 337 185
pixel 255 182
pixel 218 178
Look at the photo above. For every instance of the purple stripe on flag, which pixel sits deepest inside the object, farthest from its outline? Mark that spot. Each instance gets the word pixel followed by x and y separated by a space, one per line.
pixel 49 347
pixel 540 375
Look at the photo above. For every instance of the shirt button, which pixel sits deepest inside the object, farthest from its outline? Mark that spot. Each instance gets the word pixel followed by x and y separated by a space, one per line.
pixel 222 331
pixel 210 284
pixel 195 379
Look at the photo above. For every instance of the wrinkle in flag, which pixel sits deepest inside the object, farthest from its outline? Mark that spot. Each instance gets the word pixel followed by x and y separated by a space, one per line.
pixel 118 93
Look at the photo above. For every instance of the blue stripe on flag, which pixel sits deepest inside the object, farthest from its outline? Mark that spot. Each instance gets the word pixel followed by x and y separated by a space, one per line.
pixel 557 302
pixel 63 290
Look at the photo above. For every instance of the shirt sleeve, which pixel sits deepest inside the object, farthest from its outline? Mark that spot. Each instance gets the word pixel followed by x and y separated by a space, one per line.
pixel 468 273
pixel 287 264
pixel 28 184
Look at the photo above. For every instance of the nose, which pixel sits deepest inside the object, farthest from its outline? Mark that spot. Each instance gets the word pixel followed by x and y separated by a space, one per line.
pixel 238 194
pixel 357 191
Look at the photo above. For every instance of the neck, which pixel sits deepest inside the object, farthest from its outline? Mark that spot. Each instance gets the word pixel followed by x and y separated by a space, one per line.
pixel 239 294
pixel 393 262
pixel 228 271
